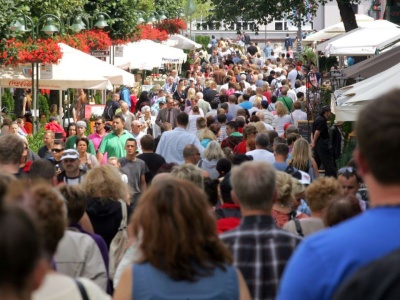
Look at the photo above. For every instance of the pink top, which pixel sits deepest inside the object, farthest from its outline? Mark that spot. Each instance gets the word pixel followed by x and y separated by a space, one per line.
pixel 96 139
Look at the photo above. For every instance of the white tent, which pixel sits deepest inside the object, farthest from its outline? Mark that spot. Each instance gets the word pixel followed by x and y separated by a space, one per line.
pixel 81 60
pixel 181 42
pixel 375 36
pixel 335 30
pixel 69 77
pixel 348 101
pixel 146 55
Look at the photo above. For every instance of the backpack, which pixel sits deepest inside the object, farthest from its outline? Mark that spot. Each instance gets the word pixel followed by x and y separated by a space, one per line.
pixel 299 77
pixel 108 113
pixel 119 242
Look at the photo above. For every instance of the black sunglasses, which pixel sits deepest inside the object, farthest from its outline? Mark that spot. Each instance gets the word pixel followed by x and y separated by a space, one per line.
pixel 57 150
pixel 98 123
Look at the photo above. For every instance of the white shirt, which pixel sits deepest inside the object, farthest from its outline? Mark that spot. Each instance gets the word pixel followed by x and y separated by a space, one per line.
pixel 262 155
pixel 137 138
pixel 298 115
pixel 57 286
pixel 292 77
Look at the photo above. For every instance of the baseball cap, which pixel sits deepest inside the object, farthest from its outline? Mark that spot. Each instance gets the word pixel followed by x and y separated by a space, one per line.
pixel 81 124
pixel 191 79
pixel 70 154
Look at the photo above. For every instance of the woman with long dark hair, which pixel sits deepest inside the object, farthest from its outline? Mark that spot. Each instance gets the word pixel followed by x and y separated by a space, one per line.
pixel 192 265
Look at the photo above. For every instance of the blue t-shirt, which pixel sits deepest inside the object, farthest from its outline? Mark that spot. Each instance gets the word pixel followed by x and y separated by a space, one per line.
pixel 324 260
pixel 151 283
pixel 246 105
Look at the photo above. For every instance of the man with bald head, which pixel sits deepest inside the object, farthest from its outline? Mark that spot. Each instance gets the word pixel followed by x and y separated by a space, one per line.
pixel 137 133
pixel 127 115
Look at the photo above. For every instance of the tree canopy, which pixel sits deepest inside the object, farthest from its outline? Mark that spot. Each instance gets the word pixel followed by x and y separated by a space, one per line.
pixel 264 12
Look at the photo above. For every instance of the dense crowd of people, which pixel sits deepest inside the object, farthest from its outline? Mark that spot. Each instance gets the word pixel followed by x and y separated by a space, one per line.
pixel 201 189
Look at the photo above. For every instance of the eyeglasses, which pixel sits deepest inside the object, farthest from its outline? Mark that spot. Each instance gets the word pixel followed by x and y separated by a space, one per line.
pixel 57 150
pixel 348 170
pixel 98 123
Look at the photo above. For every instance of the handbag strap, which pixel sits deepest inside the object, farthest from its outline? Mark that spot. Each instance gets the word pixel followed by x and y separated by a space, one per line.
pixel 123 224
pixel 298 227
pixel 82 290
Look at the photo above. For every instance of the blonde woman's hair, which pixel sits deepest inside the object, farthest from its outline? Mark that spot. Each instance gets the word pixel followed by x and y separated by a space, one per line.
pixel 280 109
pixel 259 126
pixel 191 92
pixel 284 188
pixel 301 155
pixel 257 101
pixel 104 182
pixel 207 134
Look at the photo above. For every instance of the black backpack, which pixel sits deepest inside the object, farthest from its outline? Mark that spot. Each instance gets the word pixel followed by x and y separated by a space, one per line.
pixel 108 113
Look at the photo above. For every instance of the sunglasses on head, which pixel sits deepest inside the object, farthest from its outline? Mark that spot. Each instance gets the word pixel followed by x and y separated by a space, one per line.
pixel 348 170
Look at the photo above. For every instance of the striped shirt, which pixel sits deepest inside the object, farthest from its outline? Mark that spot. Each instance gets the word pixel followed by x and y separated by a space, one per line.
pixel 260 251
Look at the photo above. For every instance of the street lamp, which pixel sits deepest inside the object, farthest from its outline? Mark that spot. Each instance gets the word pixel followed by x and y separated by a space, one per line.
pixel 24 23
pixel 337 79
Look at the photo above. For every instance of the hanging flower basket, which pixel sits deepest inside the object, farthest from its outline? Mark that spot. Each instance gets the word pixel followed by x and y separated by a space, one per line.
pixel 44 51
pixel 171 26
pixel 148 32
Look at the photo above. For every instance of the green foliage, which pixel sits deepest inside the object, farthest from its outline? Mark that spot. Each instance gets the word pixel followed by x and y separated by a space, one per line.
pixel 308 56
pixel 36 140
pixel 64 9
pixel 325 63
pixel 347 153
pixel 123 14
pixel 43 104
pixel 261 11
pixel 203 40
pixel 97 97
pixel 8 100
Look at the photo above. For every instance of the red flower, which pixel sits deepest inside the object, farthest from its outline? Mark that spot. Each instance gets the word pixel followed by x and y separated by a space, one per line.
pixel 171 26
pixel 147 32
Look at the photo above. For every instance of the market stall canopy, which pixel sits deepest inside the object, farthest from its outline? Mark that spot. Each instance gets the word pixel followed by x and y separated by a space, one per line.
pixel 83 61
pixel 368 40
pixel 181 42
pixel 146 55
pixel 374 65
pixel 348 101
pixel 335 30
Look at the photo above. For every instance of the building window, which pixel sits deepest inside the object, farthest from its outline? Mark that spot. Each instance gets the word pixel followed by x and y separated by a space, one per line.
pixel 278 25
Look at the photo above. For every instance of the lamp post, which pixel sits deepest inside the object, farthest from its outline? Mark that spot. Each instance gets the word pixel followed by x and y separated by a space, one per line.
pixel 337 79
pixel 24 23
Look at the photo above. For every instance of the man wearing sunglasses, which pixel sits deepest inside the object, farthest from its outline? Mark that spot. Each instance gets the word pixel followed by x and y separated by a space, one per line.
pixel 57 150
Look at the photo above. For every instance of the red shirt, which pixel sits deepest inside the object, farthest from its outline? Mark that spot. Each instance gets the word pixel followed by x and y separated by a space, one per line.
pixel 134 100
